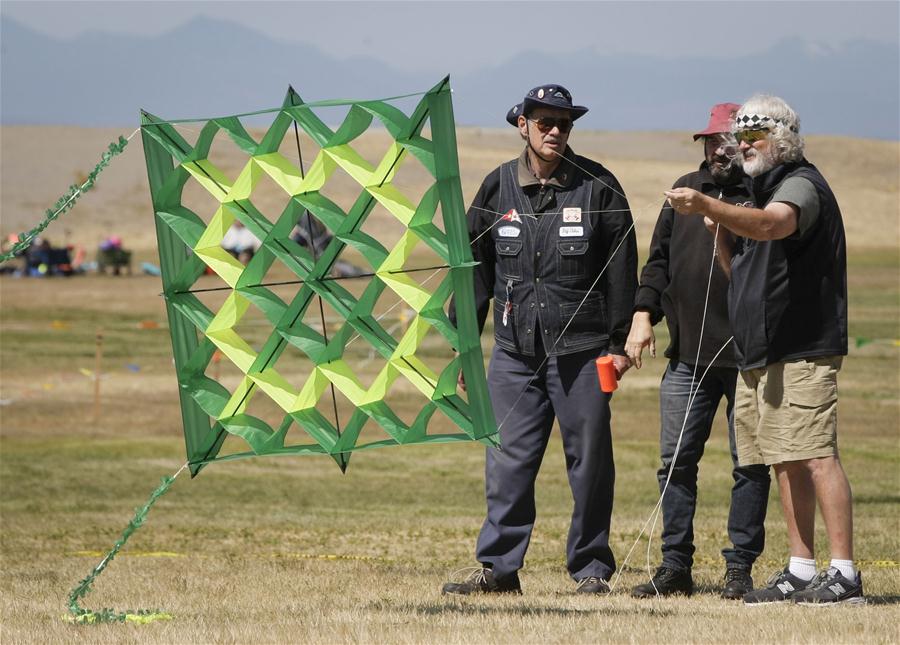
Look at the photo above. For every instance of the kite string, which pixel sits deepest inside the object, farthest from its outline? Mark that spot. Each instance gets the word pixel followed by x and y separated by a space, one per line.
pixel 692 393
pixel 79 614
pixel 472 243
pixel 712 266
pixel 658 505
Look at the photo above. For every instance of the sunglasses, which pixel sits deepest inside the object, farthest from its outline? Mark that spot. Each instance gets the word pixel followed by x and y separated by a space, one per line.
pixel 547 123
pixel 750 136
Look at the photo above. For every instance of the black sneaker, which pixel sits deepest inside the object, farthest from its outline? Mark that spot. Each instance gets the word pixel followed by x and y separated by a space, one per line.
pixel 666 582
pixel 481 580
pixel 592 584
pixel 780 587
pixel 831 587
pixel 738 583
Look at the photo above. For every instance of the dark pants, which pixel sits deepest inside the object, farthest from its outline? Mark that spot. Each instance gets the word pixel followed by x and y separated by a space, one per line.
pixel 750 493
pixel 565 388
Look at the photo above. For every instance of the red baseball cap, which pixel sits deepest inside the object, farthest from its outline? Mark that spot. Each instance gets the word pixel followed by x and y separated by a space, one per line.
pixel 721 117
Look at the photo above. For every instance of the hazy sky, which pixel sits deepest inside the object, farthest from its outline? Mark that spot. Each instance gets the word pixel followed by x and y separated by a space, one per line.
pixel 476 32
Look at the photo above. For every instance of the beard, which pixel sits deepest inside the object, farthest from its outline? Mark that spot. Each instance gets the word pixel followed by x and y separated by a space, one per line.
pixel 723 169
pixel 756 163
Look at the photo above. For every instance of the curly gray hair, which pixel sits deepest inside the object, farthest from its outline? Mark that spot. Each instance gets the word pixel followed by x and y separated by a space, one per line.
pixel 774 114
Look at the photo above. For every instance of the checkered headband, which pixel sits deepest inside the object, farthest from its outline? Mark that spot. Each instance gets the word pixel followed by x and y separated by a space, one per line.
pixel 758 122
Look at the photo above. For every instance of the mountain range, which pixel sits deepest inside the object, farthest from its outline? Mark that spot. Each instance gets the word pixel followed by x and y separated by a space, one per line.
pixel 210 67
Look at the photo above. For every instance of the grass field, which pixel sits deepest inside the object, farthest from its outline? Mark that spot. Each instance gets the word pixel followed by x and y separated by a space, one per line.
pixel 291 550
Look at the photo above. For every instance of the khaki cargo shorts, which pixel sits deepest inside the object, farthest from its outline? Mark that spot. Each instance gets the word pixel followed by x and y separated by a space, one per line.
pixel 787 411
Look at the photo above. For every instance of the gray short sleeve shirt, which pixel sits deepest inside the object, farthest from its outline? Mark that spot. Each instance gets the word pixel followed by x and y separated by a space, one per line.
pixel 801 193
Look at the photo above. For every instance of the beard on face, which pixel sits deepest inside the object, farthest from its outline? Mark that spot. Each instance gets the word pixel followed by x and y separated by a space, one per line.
pixel 756 163
pixel 723 169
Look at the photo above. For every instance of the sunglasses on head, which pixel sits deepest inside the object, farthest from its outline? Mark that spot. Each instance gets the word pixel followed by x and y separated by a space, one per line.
pixel 547 123
pixel 750 136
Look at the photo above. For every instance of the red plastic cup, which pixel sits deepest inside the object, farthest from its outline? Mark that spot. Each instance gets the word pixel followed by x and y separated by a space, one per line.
pixel 606 373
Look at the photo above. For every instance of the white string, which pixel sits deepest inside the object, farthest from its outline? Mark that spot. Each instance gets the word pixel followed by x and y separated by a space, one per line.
pixel 692 394
pixel 563 332
pixel 488 230
pixel 659 501
pixel 712 266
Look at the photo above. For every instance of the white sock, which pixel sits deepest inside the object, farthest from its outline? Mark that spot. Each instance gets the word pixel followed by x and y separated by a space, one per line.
pixel 846 567
pixel 803 568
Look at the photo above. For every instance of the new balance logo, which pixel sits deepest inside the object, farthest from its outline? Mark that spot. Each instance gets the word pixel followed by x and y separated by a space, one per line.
pixel 785 587
pixel 837 589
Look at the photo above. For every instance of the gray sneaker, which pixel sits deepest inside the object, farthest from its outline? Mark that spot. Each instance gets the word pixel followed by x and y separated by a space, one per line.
pixel 780 587
pixel 831 587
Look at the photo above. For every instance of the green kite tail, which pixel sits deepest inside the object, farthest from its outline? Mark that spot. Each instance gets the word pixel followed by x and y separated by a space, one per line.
pixel 65 202
pixel 78 614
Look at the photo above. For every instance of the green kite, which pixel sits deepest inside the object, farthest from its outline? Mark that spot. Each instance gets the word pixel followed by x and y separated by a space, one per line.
pixel 288 286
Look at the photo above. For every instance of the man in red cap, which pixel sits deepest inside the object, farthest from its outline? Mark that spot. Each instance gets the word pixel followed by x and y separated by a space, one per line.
pixel 554 239
pixel 787 304
pixel 674 285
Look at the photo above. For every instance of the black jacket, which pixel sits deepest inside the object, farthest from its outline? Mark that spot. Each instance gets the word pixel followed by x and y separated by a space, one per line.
pixel 544 260
pixel 674 279
pixel 788 297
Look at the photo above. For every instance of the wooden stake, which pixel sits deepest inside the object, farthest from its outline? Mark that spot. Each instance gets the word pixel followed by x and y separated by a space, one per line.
pixel 98 361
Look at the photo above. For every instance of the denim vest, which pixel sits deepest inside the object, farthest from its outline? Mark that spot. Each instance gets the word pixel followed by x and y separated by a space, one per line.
pixel 546 265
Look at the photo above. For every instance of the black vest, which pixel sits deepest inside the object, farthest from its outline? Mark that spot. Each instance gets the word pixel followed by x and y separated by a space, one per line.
pixel 788 297
pixel 546 264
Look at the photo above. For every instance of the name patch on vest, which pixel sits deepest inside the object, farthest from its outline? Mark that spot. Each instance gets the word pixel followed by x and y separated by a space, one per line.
pixel 509 231
pixel 571 231
pixel 572 215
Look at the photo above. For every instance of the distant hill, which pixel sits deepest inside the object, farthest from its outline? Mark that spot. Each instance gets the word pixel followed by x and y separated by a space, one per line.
pixel 209 67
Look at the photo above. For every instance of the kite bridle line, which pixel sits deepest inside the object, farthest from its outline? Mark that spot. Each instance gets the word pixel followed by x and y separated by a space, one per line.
pixel 478 237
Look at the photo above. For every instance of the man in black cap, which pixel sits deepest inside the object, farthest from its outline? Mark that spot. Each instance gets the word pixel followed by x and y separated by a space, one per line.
pixel 702 370
pixel 554 237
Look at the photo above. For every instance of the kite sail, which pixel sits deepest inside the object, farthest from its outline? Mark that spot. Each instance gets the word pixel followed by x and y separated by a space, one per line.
pixel 284 324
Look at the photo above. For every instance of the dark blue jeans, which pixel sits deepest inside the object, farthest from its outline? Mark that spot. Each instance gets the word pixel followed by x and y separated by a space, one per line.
pixel 565 388
pixel 750 493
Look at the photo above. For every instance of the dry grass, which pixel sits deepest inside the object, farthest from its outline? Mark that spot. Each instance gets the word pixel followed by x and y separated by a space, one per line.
pixel 290 550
